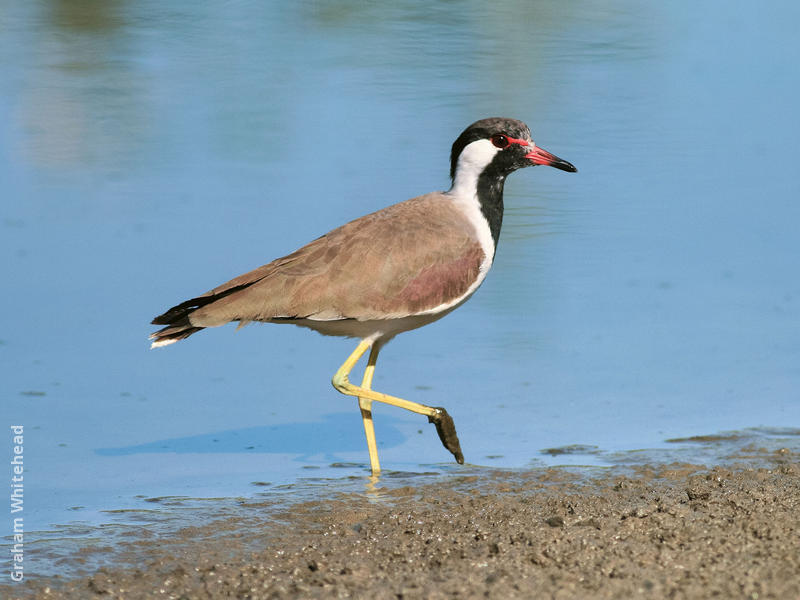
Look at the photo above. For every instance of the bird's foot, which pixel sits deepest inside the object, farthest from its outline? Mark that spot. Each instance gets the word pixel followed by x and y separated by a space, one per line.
pixel 447 432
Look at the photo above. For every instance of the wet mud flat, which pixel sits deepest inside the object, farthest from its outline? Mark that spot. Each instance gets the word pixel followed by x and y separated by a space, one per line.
pixel 674 530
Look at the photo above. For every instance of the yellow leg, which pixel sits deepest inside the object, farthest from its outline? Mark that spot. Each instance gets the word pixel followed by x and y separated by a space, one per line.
pixel 365 404
pixel 342 383
pixel 366 395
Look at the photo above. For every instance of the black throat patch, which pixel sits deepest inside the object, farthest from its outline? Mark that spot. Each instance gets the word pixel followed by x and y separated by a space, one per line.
pixel 490 196
pixel 490 186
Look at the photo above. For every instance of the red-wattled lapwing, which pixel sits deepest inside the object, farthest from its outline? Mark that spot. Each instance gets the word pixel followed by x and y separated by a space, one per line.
pixel 397 269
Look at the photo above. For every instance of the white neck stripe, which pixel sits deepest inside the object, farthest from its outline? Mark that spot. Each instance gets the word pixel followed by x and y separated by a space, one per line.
pixel 472 161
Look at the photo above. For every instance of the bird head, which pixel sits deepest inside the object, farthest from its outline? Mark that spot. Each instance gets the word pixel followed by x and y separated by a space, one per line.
pixel 498 146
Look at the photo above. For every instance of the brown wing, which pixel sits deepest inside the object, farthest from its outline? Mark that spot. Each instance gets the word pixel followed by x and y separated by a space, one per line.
pixel 399 261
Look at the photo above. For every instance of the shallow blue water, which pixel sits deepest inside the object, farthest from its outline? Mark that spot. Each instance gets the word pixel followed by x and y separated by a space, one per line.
pixel 148 154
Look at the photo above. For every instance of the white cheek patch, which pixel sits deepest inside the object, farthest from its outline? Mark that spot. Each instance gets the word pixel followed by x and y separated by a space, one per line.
pixel 473 160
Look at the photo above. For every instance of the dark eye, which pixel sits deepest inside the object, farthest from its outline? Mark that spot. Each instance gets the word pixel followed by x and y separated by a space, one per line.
pixel 500 141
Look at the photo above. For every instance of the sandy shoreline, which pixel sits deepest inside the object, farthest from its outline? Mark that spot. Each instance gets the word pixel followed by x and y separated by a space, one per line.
pixel 677 531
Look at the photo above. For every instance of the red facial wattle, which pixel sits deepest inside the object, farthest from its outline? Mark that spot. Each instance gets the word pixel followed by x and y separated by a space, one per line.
pixel 516 141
